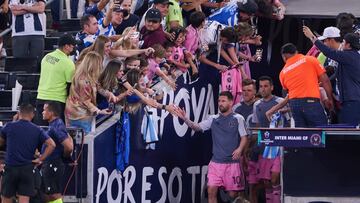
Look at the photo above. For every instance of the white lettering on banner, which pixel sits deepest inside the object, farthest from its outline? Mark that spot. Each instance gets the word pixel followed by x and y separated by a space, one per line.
pixel 103 174
pixel 193 170
pixel 183 95
pixel 204 171
pixel 129 176
pixel 147 171
pixel 114 175
pixel 198 105
pixel 124 193
pixel 176 172
pixel 162 184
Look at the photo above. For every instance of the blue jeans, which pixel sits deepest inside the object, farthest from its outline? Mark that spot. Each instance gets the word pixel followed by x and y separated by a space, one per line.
pixel 83 124
pixel 350 112
pixel 307 112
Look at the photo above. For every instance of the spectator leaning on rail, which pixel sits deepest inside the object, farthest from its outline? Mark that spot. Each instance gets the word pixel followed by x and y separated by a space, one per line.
pixel 301 76
pixel 348 74
pixel 22 138
pixel 57 70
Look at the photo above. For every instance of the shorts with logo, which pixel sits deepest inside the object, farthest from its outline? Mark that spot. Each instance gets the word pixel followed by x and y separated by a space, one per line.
pixel 18 180
pixel 226 175
pixel 52 176
pixel 268 166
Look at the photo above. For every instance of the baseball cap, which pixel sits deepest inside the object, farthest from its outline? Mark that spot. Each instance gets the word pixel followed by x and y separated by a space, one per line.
pixel 249 7
pixel 67 39
pixel 353 39
pixel 163 2
pixel 330 32
pixel 153 14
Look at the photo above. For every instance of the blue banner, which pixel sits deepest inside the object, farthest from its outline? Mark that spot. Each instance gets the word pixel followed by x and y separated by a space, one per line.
pixel 292 138
pixel 176 170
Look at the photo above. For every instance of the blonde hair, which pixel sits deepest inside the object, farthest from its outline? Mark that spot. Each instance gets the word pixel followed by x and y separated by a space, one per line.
pixel 89 68
pixel 98 46
pixel 125 43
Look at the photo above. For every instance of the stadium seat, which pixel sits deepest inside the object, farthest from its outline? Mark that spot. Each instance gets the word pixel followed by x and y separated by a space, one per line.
pixel 27 96
pixel 6 115
pixel 29 81
pixel 5 99
pixel 4 80
pixel 51 43
pixel 28 65
pixel 69 25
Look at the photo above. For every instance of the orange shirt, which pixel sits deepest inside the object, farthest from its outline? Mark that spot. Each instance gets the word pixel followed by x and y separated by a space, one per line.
pixel 300 76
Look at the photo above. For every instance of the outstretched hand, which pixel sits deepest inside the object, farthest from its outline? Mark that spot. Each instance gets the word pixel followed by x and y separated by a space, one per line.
pixel 180 112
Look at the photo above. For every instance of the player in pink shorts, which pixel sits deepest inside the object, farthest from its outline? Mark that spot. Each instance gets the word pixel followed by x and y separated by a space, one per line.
pixel 270 175
pixel 226 175
pixel 229 136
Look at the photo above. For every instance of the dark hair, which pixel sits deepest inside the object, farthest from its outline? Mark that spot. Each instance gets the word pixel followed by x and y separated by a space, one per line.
pixel 247 82
pixel 85 19
pixel 227 94
pixel 159 51
pixel 264 7
pixel 107 78
pixel 197 18
pixel 266 78
pixel 26 108
pixel 230 34
pixel 54 107
pixel 167 44
pixel 345 22
pixel 288 48
pixel 143 62
pixel 133 76
pixel 131 59
pixel 177 31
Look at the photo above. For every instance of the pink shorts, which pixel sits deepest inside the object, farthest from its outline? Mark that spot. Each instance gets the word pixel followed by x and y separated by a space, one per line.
pixel 226 175
pixel 253 168
pixel 268 166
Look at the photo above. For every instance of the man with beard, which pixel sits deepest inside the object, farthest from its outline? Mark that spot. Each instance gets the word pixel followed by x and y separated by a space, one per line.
pixel 152 33
pixel 229 135
pixel 269 168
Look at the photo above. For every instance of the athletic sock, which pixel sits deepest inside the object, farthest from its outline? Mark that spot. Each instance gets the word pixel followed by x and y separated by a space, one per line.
pixel 269 195
pixel 276 193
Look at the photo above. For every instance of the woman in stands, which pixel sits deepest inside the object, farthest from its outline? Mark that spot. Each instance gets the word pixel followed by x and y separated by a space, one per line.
pixel 81 104
pixel 102 45
pixel 109 83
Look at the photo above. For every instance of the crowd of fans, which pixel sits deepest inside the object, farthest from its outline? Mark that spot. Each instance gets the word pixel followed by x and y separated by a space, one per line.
pixel 121 59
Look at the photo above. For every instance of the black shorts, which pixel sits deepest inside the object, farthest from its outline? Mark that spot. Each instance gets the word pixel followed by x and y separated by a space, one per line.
pixel 52 176
pixel 18 180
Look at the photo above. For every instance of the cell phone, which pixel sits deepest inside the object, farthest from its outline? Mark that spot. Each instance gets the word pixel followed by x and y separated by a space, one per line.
pixel 111 107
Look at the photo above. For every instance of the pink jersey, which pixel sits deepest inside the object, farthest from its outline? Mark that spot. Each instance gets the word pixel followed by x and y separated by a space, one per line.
pixel 178 56
pixel 192 39
pixel 245 49
pixel 231 81
pixel 153 67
